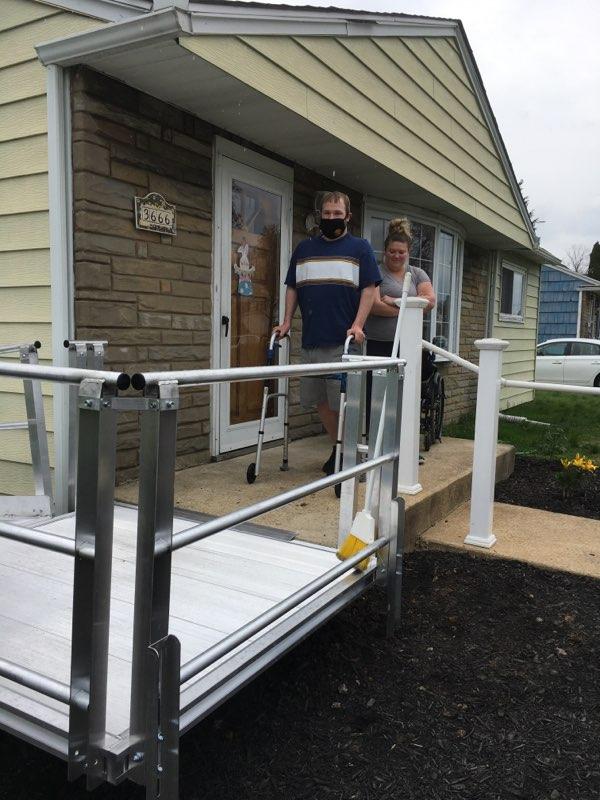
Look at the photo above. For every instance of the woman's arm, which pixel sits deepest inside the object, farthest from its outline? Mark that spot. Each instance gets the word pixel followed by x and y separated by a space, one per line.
pixel 382 309
pixel 425 289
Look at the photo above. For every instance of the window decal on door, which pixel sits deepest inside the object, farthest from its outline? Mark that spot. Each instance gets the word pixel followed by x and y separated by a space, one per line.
pixel 243 270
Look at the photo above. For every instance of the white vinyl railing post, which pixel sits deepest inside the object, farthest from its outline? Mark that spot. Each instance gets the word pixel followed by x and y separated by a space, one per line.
pixel 411 336
pixel 486 439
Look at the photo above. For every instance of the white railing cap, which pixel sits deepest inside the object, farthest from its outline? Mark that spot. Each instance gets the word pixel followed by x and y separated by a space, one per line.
pixel 491 344
pixel 417 302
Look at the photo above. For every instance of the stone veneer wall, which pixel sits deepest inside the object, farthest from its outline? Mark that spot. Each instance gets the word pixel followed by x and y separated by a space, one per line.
pixel 150 295
pixel 461 384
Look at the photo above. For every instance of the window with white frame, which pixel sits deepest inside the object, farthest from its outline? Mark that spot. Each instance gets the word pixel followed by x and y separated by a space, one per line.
pixel 512 293
pixel 437 249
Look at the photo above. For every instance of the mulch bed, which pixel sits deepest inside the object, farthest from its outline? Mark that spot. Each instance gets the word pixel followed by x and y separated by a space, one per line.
pixel 490 690
pixel 533 484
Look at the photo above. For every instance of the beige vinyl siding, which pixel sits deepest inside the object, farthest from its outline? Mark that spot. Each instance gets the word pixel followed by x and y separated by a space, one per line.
pixel 406 103
pixel 519 357
pixel 24 233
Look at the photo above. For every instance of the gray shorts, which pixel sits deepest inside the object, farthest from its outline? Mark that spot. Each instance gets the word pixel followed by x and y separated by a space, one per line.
pixel 326 388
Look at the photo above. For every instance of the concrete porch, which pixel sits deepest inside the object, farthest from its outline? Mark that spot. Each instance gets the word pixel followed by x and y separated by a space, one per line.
pixel 217 488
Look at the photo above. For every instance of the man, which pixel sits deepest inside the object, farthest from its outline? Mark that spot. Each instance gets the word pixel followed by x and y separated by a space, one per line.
pixel 333 278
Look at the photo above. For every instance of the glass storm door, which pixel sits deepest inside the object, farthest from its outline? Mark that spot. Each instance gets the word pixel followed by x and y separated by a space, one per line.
pixel 255 217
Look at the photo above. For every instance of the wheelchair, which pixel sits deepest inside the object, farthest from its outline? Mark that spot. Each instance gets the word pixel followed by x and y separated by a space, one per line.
pixel 432 401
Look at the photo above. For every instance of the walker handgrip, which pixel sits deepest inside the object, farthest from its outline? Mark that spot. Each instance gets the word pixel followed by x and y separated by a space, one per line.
pixel 347 343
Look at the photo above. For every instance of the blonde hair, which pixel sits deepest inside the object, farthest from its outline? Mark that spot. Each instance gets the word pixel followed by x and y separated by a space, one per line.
pixel 398 231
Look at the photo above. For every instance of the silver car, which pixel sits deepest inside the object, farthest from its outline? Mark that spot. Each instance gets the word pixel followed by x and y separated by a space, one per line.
pixel 573 361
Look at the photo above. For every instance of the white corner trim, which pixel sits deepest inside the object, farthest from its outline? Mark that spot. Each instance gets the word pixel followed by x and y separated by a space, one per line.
pixel 61 263
pixel 579 304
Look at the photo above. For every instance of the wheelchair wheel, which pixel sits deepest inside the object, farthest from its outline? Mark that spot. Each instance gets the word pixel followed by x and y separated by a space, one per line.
pixel 438 410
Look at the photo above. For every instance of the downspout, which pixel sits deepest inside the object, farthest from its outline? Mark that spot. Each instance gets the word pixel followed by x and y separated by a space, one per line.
pixel 492 277
pixel 60 204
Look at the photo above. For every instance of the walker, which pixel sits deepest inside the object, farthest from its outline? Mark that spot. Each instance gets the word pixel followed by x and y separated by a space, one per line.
pixel 362 447
pixel 253 470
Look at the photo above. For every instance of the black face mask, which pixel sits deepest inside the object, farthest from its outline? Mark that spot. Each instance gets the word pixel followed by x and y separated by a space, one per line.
pixel 333 228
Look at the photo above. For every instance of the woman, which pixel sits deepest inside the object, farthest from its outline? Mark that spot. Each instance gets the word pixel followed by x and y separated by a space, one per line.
pixel 381 324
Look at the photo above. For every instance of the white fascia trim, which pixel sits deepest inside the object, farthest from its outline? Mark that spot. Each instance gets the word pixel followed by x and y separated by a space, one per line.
pixel 237 21
pixel 108 10
pixel 61 264
pixel 171 23
pixel 488 114
pixel 141 30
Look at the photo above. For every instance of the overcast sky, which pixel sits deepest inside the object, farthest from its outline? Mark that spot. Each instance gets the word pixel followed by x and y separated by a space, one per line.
pixel 540 64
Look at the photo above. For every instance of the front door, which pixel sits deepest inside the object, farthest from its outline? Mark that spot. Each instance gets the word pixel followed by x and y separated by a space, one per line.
pixel 255 236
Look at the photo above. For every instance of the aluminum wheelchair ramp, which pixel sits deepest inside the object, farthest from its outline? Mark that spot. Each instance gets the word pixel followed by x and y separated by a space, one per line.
pixel 218 585
pixel 124 626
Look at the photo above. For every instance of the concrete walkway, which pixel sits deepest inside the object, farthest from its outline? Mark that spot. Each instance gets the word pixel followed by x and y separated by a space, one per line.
pixel 217 488
pixel 542 538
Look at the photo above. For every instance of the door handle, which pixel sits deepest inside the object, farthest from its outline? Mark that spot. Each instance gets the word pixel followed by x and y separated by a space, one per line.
pixel 225 321
pixel 554 362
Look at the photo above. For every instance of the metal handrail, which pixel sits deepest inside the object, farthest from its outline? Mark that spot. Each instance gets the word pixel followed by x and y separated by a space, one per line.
pixel 64 374
pixel 13 426
pixel 33 680
pixel 225 646
pixel 14 348
pixel 205 529
pixel 37 538
pixel 201 377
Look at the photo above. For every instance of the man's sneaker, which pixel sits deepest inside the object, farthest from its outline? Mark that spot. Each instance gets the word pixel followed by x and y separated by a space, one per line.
pixel 329 466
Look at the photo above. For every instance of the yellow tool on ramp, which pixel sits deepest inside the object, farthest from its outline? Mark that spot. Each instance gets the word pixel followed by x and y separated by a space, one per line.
pixel 362 532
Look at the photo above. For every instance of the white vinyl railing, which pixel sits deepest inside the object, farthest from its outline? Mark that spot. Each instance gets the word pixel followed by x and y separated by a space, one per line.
pixel 489 385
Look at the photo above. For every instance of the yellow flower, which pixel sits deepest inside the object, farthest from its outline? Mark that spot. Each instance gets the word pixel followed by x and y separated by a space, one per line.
pixel 579 462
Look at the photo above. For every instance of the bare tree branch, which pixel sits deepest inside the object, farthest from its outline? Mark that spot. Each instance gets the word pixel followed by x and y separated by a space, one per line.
pixel 577 259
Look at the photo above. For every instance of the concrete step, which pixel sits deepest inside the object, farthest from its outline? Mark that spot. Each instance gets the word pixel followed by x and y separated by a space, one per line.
pixel 446 480
pixel 542 538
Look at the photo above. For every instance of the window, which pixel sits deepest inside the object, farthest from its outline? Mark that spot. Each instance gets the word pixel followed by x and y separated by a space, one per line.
pixel 512 294
pixel 438 250
pixel 553 349
pixel 585 349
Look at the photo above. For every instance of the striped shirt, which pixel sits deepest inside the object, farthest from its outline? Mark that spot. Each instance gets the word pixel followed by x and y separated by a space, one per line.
pixel 329 277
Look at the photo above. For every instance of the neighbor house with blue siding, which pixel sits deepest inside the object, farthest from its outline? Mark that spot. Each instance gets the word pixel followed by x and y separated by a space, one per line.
pixel 561 292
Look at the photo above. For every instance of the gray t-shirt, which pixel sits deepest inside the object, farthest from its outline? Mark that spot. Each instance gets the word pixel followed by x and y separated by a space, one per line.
pixel 382 329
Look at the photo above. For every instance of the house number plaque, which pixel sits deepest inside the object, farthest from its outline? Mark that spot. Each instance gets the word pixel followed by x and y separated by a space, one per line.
pixel 153 213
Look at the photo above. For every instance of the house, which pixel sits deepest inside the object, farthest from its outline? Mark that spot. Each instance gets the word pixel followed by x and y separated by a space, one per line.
pixel 224 120
pixel 569 304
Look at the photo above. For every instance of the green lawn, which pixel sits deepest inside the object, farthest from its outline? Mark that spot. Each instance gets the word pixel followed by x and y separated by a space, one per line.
pixel 575 426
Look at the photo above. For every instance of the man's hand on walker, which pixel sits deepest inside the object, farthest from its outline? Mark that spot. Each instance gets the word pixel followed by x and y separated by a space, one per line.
pixel 282 329
pixel 357 332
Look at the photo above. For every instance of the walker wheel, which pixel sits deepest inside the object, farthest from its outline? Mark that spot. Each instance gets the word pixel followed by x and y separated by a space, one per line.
pixel 251 473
